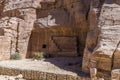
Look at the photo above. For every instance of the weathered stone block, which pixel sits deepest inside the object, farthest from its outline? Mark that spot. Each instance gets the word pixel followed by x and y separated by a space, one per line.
pixel 61 77
pixel 115 75
pixel 69 77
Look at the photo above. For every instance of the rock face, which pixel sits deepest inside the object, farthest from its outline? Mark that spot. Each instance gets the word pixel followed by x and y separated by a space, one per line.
pixel 103 42
pixel 30 26
pixel 86 28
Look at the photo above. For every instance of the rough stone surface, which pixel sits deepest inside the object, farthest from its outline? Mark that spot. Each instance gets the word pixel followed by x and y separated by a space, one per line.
pixel 115 74
pixel 45 69
pixel 86 28
pixel 29 26
pixel 5 77
pixel 103 39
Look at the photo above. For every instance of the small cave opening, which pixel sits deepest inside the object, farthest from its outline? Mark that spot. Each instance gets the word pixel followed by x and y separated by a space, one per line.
pixel 44 46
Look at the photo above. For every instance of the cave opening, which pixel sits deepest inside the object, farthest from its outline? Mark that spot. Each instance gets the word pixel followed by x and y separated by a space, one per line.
pixel 44 46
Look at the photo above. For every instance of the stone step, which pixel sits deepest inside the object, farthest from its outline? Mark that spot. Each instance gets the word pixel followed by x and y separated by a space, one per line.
pixel 43 69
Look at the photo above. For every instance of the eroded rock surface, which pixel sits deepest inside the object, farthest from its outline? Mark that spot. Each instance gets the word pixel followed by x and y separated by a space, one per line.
pixel 30 26
pixel 102 45
pixel 86 28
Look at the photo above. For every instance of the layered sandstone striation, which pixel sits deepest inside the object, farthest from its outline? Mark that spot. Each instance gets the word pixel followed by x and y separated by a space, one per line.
pixel 30 26
pixel 86 28
pixel 102 45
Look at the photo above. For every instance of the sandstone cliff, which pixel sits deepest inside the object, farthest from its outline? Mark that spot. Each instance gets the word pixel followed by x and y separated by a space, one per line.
pixel 86 28
pixel 102 43
pixel 31 26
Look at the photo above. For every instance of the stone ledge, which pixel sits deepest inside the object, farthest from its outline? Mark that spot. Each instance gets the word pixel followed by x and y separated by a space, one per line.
pixel 37 75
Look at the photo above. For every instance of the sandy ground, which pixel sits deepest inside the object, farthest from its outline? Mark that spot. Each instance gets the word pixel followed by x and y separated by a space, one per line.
pixel 70 66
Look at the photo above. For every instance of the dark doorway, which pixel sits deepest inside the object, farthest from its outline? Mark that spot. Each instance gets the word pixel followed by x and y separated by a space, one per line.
pixel 44 46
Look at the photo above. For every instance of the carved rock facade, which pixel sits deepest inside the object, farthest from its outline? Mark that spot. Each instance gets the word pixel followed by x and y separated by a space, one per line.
pixel 86 28
pixel 55 27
